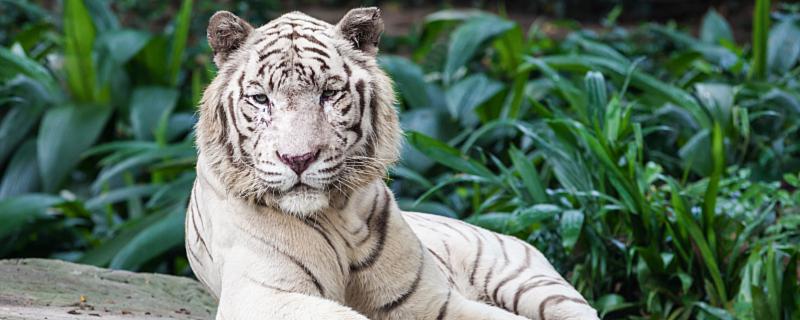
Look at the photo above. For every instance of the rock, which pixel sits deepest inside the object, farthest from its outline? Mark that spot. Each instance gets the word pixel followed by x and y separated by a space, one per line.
pixel 52 289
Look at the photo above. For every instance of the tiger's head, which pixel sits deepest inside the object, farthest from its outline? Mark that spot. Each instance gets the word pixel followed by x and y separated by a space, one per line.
pixel 299 114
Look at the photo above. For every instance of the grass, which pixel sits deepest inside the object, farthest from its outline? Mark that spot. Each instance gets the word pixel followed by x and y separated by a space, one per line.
pixel 658 170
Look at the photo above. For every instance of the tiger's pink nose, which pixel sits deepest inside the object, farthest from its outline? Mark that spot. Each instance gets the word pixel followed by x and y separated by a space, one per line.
pixel 298 163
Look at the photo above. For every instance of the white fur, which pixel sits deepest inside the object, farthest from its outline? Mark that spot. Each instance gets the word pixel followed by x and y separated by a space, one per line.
pixel 338 247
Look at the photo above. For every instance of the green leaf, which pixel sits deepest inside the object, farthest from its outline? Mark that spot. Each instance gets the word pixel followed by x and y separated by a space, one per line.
pixel 644 82
pixel 431 122
pixel 65 133
pixel 784 46
pixel 689 225
pixel 696 153
pixel 105 251
pixel 570 227
pixel 152 57
pixel 102 15
pixel 598 98
pixel 718 99
pixel 466 95
pixel 758 67
pixel 22 174
pixel 610 303
pixel 468 38
pixel 154 240
pixel 182 24
pixel 712 191
pixel 493 221
pixel 447 155
pixel 79 36
pixel 12 65
pixel 715 29
pixel 410 82
pixel 530 177
pixel 31 99
pixel 118 195
pixel 122 44
pixel 18 211
pixel 524 218
pixel 149 107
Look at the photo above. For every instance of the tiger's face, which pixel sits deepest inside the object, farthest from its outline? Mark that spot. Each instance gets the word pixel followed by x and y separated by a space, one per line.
pixel 299 115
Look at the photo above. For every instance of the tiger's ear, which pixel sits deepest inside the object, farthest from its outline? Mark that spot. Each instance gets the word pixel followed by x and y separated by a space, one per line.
pixel 363 28
pixel 226 33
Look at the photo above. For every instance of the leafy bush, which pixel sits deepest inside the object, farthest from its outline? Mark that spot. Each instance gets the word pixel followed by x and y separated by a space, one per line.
pixel 659 171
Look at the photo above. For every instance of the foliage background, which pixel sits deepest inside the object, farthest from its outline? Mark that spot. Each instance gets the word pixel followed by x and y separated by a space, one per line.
pixel 655 163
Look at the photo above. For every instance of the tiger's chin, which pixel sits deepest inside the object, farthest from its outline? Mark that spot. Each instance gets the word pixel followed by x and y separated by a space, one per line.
pixel 303 203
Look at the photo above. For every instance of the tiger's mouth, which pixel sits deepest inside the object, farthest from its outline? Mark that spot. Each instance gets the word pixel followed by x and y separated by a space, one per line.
pixel 303 200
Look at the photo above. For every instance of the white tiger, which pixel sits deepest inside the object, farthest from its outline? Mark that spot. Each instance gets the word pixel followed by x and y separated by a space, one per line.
pixel 289 217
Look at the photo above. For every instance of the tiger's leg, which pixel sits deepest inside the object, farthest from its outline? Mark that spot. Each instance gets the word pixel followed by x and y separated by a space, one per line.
pixel 250 300
pixel 246 294
pixel 528 285
pixel 499 270
pixel 458 307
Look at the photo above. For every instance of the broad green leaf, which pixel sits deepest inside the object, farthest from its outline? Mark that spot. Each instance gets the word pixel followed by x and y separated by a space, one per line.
pixel 715 29
pixel 434 25
pixel 18 211
pixel 118 195
pixel 122 44
pixel 529 175
pixel 79 37
pixel 466 95
pixel 783 46
pixel 410 82
pixel 524 218
pixel 468 38
pixel 153 58
pixel 696 153
pixel 570 227
pixel 22 173
pixel 154 240
pixel 103 253
pixel 447 155
pixel 610 303
pixel 431 122
pixel 718 313
pixel 137 159
pixel 30 101
pixel 496 222
pixel 12 65
pixel 102 15
pixel 114 49
pixel 718 99
pixel 65 133
pixel 181 34
pixel 149 107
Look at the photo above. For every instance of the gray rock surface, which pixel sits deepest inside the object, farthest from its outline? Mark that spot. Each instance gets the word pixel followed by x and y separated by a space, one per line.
pixel 52 289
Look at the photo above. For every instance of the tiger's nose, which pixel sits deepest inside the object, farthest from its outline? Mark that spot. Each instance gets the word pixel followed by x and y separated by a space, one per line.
pixel 299 163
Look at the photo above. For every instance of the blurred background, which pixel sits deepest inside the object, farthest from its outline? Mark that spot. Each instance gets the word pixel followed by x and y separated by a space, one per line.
pixel 648 148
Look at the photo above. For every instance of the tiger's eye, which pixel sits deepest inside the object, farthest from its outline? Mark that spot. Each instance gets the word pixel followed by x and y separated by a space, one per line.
pixel 260 98
pixel 326 95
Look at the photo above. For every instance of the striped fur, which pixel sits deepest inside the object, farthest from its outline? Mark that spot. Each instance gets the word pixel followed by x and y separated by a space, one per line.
pixel 329 242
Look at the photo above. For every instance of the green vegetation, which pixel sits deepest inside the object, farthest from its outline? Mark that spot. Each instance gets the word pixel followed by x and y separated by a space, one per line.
pixel 658 170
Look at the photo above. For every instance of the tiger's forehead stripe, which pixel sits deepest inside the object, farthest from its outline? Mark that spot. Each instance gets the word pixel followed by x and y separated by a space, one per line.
pixel 283 41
